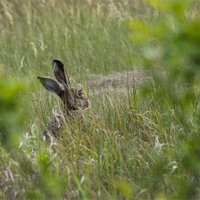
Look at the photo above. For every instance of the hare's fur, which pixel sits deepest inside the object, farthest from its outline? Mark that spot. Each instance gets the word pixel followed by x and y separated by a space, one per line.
pixel 74 100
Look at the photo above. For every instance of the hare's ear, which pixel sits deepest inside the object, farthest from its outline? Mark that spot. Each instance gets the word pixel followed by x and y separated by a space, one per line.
pixel 60 73
pixel 51 85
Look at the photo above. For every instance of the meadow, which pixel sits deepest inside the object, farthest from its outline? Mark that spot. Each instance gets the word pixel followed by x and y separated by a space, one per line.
pixel 138 62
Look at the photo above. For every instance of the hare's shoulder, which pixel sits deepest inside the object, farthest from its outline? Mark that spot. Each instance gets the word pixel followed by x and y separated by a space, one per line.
pixel 78 118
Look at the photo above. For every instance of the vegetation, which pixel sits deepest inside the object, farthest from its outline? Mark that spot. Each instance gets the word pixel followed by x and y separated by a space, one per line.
pixel 142 140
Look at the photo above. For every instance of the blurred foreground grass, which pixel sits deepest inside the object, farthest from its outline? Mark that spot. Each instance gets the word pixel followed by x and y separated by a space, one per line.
pixel 142 142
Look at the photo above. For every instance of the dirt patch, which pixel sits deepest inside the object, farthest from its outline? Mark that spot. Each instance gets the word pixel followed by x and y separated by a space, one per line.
pixel 116 81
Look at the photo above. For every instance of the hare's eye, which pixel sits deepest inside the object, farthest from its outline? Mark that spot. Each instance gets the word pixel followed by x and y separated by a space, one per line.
pixel 80 93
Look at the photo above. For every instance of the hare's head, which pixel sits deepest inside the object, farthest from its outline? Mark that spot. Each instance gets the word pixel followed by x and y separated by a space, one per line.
pixel 73 99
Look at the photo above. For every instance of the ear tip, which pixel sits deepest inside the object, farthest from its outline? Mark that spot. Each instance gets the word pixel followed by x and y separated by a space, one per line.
pixel 57 61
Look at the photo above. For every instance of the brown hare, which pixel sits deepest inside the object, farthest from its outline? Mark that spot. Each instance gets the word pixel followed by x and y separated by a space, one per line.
pixel 73 101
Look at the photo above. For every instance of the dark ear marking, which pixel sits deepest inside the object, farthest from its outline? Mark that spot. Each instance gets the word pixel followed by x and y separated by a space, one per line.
pixel 60 73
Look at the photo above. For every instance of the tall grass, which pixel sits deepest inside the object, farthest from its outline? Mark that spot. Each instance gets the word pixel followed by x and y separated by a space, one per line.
pixel 141 141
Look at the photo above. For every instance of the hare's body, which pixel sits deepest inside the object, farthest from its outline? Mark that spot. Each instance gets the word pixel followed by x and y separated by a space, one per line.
pixel 60 123
pixel 55 126
pixel 74 100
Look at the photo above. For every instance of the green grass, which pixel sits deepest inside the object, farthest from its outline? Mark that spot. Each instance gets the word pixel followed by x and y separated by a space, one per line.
pixel 141 142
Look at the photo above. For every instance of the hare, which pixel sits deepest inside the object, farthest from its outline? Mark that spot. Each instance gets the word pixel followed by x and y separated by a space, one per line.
pixel 73 101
